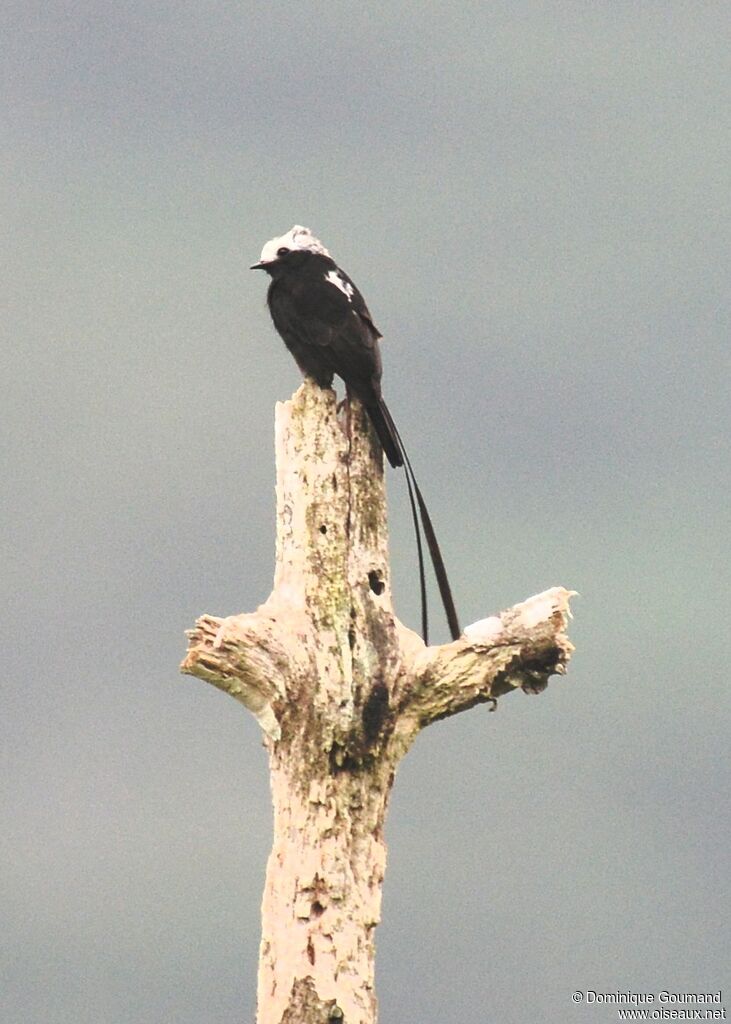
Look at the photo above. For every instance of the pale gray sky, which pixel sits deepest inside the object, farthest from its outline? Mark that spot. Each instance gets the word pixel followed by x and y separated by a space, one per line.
pixel 534 199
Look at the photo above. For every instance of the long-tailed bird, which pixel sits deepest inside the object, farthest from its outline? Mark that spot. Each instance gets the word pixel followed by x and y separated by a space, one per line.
pixel 326 325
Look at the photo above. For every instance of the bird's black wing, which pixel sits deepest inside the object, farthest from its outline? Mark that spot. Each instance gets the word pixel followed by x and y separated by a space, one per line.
pixel 328 330
pixel 358 303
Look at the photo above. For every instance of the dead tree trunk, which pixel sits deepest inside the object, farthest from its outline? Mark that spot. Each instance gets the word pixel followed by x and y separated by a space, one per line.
pixel 341 689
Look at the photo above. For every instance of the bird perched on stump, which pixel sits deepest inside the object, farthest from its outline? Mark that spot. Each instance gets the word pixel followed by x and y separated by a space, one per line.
pixel 326 325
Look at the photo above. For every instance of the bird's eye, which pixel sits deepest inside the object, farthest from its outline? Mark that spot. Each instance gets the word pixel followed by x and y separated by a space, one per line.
pixel 283 251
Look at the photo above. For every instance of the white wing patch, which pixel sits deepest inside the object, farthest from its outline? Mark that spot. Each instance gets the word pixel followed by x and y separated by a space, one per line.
pixel 296 238
pixel 333 277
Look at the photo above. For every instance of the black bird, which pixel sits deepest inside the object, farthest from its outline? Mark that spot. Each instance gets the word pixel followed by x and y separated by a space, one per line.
pixel 329 330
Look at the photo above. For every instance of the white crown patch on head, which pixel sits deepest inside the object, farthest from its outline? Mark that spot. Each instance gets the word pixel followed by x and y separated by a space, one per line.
pixel 296 238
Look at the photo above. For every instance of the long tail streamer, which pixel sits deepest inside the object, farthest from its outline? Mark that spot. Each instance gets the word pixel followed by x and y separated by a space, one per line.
pixel 431 539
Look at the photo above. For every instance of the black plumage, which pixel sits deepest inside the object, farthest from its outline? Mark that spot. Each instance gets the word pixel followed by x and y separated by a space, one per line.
pixel 328 329
pixel 326 325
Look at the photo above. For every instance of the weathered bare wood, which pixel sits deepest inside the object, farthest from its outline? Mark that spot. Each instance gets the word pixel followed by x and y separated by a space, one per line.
pixel 341 689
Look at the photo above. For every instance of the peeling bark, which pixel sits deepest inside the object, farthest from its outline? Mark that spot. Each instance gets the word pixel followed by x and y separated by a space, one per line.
pixel 341 689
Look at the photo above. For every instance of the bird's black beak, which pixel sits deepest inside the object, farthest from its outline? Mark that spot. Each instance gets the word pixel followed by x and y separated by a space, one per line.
pixel 257 266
